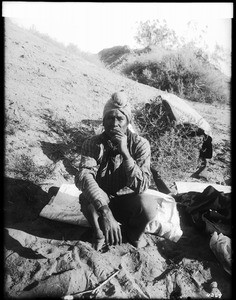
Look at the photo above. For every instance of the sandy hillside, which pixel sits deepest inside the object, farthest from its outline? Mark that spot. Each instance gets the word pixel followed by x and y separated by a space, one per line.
pixel 53 98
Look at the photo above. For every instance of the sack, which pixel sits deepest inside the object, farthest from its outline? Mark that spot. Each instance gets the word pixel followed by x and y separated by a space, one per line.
pixel 65 207
pixel 185 114
pixel 166 222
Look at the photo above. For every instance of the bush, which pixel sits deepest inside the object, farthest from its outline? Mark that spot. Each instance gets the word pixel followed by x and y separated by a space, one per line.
pixel 111 55
pixel 26 169
pixel 175 153
pixel 188 74
pixel 175 157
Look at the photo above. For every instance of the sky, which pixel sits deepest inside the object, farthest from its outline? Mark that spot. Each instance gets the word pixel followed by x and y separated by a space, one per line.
pixel 94 26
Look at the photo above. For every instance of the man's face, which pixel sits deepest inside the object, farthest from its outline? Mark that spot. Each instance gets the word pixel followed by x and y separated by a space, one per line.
pixel 115 120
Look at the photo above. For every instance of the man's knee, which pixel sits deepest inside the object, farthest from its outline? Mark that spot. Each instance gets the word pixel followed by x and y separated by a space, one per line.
pixel 147 205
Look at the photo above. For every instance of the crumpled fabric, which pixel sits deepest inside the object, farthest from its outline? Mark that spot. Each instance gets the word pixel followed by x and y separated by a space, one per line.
pixel 209 210
pixel 166 222
pixel 221 247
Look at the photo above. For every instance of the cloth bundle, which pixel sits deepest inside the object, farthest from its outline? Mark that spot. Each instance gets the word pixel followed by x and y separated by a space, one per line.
pixel 65 206
pixel 186 114
pixel 166 222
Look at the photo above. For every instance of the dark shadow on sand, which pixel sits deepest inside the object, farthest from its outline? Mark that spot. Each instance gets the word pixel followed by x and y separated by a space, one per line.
pixel 23 202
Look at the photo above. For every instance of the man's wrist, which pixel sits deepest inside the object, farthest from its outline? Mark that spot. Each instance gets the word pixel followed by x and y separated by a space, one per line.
pixel 127 156
pixel 103 210
pixel 128 163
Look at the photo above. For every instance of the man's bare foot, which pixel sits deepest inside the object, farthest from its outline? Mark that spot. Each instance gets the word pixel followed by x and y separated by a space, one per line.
pixel 137 242
pixel 98 240
pixel 140 243
pixel 97 243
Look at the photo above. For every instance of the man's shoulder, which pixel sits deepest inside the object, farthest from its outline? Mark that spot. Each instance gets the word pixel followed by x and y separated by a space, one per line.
pixel 137 138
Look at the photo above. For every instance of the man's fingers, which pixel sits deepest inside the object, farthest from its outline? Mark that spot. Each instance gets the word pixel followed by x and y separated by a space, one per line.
pixel 118 133
pixel 106 236
pixel 98 244
pixel 119 236
pixel 117 130
pixel 111 237
pixel 116 237
pixel 116 138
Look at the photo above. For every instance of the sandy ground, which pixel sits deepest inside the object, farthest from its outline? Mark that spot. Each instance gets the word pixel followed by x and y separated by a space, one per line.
pixel 44 87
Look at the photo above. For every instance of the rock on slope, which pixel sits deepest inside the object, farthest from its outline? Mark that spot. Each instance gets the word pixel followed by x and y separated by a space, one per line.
pixel 45 258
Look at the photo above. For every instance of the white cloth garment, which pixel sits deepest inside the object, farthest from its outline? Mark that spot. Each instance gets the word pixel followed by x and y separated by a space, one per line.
pixel 185 187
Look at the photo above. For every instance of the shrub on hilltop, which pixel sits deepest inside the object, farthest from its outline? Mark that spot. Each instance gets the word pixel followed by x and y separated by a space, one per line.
pixel 110 55
pixel 187 74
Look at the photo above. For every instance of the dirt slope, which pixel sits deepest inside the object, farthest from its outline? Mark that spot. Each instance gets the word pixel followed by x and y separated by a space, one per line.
pixel 43 81
pixel 45 258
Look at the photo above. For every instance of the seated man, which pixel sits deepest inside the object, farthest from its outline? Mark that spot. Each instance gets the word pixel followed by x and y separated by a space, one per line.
pixel 114 172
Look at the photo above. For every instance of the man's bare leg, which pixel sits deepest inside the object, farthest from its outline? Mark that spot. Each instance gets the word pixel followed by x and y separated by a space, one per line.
pixel 92 216
pixel 135 212
pixel 136 239
pixel 148 207
pixel 136 228
pixel 98 237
